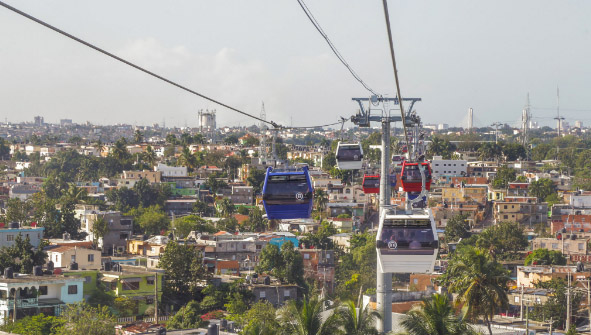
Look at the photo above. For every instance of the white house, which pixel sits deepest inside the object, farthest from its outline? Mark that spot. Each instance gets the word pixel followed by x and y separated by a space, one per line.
pixel 448 167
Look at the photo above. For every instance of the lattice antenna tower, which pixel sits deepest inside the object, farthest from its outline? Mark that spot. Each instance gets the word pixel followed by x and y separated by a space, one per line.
pixel 470 119
pixel 525 123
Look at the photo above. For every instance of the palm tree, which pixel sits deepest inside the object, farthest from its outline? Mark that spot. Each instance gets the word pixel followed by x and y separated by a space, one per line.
pixel 100 146
pixel 320 200
pixel 138 137
pixel 358 321
pixel 479 281
pixel 435 316
pixel 149 156
pixel 226 208
pixel 187 159
pixel 305 318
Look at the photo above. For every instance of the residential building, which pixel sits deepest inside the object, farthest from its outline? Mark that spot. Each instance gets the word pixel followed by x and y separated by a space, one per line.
pixel 171 171
pixel 134 283
pixel 153 246
pixel 120 229
pixel 522 212
pixel 320 265
pixel 9 234
pixel 37 294
pixel 566 245
pixel 529 275
pixel 275 293
pixel 447 167
pixel 64 256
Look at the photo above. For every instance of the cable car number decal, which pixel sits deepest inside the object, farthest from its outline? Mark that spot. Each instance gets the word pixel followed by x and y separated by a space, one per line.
pixel 392 245
pixel 300 196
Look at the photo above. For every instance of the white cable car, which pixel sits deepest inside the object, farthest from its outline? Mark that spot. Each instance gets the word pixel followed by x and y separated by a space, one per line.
pixel 349 156
pixel 407 241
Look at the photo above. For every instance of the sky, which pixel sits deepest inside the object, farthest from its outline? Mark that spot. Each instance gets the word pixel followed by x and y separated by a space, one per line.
pixel 453 54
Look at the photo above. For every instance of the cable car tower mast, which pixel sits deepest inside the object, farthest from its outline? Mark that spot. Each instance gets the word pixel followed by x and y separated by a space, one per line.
pixel 363 119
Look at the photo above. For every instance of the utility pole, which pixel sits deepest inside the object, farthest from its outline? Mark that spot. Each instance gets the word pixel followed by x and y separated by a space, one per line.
pixel 156 298
pixel 568 303
pixel 496 125
pixel 588 300
pixel 521 304
pixel 551 321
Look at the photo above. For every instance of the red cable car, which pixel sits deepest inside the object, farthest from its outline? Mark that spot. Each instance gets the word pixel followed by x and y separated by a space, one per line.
pixel 371 184
pixel 411 177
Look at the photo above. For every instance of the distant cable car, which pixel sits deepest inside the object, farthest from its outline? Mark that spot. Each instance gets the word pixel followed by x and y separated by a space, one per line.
pixel 371 184
pixel 288 194
pixel 411 177
pixel 349 156
pixel 397 160
pixel 407 241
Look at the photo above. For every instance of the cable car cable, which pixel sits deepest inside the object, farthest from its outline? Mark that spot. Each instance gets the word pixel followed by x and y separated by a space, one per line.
pixel 90 45
pixel 385 3
pixel 332 46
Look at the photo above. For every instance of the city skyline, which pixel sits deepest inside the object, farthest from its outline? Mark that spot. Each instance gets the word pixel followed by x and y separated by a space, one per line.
pixel 454 56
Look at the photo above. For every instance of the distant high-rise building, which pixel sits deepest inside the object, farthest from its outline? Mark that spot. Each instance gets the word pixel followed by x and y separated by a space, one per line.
pixel 579 124
pixel 65 122
pixel 442 126
pixel 207 123
pixel 39 121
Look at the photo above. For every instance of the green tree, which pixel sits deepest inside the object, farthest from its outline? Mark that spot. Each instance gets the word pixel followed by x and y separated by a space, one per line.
pixel 184 272
pixel 457 227
pixel 504 176
pixel 542 188
pixel 555 307
pixel 187 317
pixel 357 268
pixel 270 259
pixel 479 281
pixel 256 222
pixel 320 200
pixel 100 228
pixel 256 178
pixel 440 147
pixel 124 306
pixel 187 159
pixel 435 316
pixel 34 325
pixel 305 318
pixel 120 153
pixel 545 257
pixel 260 319
pixel 503 240
pixel 357 319
pixel 514 151
pixel 22 256
pixel 82 319
pixel 153 220
pixel 321 239
pixel 18 211
pixel 225 208
pixel 138 137
pixel 185 225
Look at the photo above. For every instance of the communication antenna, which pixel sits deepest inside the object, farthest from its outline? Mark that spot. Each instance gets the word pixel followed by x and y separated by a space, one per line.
pixel 558 118
pixel 263 127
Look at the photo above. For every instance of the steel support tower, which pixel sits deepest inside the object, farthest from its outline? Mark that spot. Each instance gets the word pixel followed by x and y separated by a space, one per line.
pixel 363 119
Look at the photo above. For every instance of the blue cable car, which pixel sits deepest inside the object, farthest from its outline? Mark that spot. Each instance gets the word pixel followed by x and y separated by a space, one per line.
pixel 288 194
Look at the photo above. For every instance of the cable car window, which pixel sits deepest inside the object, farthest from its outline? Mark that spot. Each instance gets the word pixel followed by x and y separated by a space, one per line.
pixel 287 189
pixel 371 182
pixel 402 240
pixel 349 153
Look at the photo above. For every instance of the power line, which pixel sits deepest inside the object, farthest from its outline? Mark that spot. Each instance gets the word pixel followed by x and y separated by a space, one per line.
pixel 30 17
pixel 343 120
pixel 90 45
pixel 332 46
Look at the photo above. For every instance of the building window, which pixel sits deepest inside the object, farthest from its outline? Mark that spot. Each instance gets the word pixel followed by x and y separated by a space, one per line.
pixel 581 246
pixel 150 280
pixel 73 258
pixel 91 258
pixel 10 237
pixel 263 294
pixel 72 289
pixel 306 256
pixel 554 246
pixel 149 301
pixel 42 290
pixel 131 286
pixel 88 279
pixel 123 236
pixel 505 207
